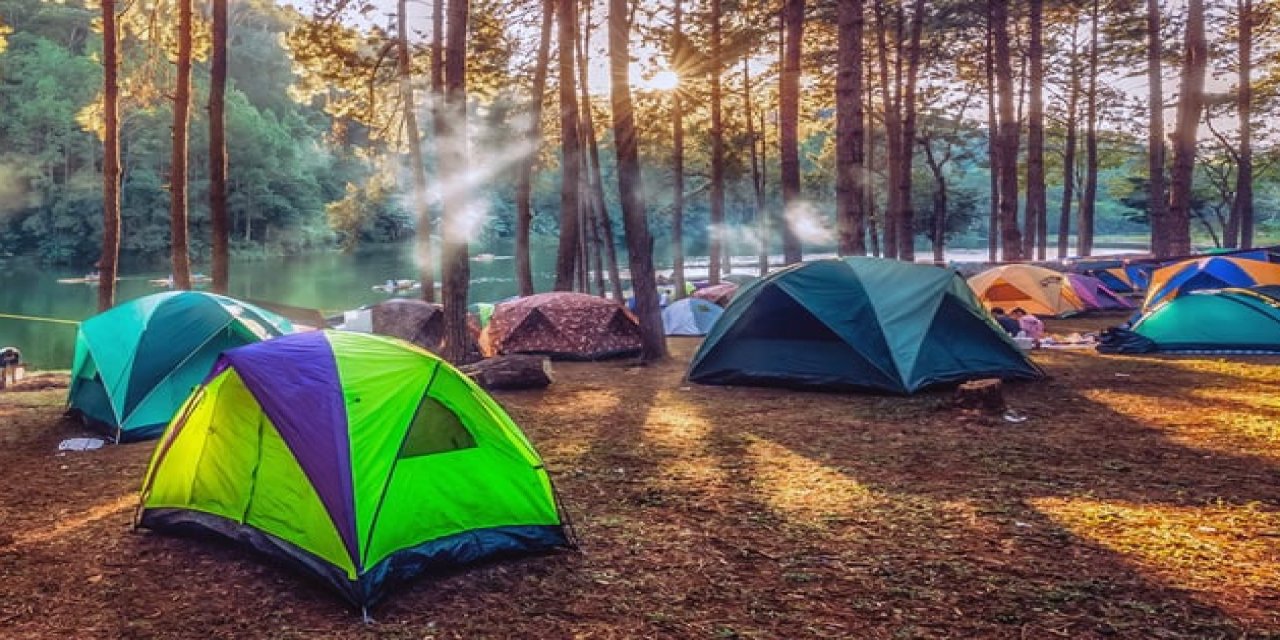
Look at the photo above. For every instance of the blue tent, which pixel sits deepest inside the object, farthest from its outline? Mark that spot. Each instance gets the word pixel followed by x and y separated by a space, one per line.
pixel 690 317
pixel 857 323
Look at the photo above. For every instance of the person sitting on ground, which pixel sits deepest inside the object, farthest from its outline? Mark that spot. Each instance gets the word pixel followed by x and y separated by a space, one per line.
pixel 1009 325
pixel 10 358
pixel 1031 325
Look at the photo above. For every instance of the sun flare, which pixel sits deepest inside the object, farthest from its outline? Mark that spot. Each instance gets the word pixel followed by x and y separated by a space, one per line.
pixel 660 81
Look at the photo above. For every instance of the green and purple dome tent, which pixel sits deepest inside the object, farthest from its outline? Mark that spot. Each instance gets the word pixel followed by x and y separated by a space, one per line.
pixel 359 459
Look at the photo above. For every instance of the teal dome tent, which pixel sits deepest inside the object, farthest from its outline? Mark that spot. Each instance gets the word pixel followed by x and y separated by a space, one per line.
pixel 857 323
pixel 136 363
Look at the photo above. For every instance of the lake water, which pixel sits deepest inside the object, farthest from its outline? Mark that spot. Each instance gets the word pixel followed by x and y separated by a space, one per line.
pixel 330 282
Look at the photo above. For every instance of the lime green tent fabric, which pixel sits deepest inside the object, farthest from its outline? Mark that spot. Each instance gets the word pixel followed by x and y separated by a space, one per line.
pixel 361 459
pixel 136 363
pixel 859 323
pixel 1233 320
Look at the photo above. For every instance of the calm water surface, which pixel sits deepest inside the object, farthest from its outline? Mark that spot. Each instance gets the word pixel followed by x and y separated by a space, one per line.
pixel 330 282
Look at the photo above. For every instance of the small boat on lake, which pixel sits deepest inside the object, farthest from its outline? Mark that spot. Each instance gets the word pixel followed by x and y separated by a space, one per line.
pixel 392 286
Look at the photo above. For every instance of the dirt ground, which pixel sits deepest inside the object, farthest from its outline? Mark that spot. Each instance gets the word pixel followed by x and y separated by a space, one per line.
pixel 1140 499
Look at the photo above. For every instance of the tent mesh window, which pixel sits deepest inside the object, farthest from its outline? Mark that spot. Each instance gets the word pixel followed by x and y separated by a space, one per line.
pixel 435 429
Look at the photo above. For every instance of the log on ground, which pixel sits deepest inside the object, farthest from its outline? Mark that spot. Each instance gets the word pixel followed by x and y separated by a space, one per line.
pixel 984 395
pixel 511 372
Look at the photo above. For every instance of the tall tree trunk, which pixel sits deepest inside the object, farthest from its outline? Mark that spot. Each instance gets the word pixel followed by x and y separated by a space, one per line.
pixel 763 221
pixel 440 131
pixel 421 210
pixel 630 189
pixel 717 231
pixel 524 183
pixel 939 204
pixel 1242 207
pixel 757 178
pixel 595 197
pixel 993 145
pixel 180 250
pixel 1158 204
pixel 1084 226
pixel 1190 105
pixel 458 347
pixel 1037 201
pixel 889 87
pixel 570 161
pixel 873 232
pixel 218 217
pixel 1010 236
pixel 587 224
pixel 677 160
pixel 107 264
pixel 906 143
pixel 850 172
pixel 789 125
pixel 1069 153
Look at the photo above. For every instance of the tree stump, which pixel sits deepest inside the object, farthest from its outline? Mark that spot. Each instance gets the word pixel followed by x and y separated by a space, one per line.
pixel 511 372
pixel 985 395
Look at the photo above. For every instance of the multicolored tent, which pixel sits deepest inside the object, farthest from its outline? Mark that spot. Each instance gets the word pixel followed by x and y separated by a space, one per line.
pixel 411 319
pixel 721 294
pixel 690 317
pixel 136 363
pixel 1232 320
pixel 1208 273
pixel 573 326
pixel 1040 291
pixel 1095 295
pixel 857 323
pixel 359 459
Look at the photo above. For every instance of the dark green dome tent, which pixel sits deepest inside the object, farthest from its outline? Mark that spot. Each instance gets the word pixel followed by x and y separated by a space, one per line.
pixel 857 323
pixel 137 362
pixel 1233 320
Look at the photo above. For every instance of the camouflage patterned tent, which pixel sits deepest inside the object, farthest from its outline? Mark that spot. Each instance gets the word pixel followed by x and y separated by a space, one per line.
pixel 720 294
pixel 573 326
pixel 417 321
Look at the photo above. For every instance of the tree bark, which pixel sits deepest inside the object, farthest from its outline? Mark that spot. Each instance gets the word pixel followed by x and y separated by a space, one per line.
pixel 218 217
pixel 939 204
pixel 1190 106
pixel 906 143
pixel 630 188
pixel 458 343
pixel 180 250
pixel 593 204
pixel 421 210
pixel 440 129
pixel 716 232
pixel 1242 206
pixel 850 172
pixel 993 145
pixel 677 160
pixel 1084 226
pixel 789 125
pixel 1158 205
pixel 763 216
pixel 1069 154
pixel 1037 201
pixel 1010 236
pixel 110 157
pixel 524 183
pixel 570 160
pixel 889 87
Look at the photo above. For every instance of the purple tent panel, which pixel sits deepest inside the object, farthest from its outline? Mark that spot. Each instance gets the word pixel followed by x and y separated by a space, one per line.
pixel 1096 295
pixel 295 380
